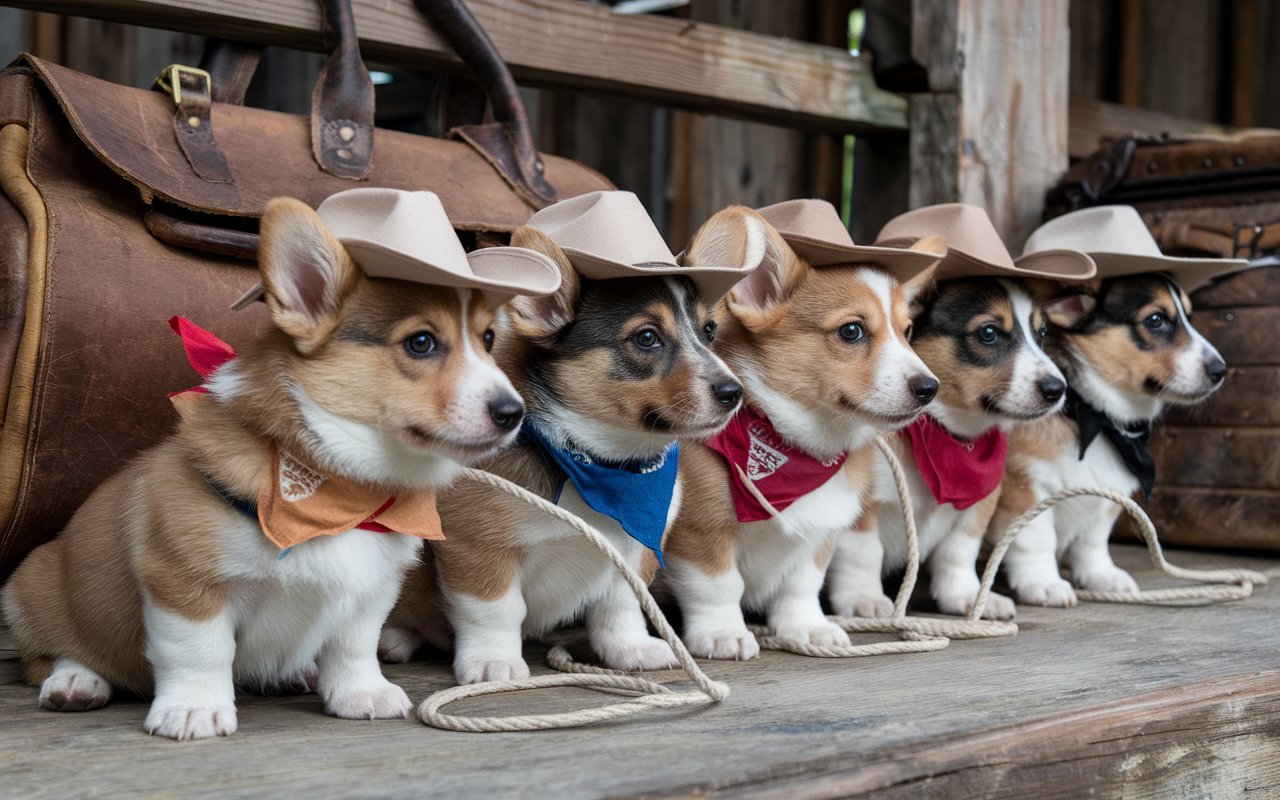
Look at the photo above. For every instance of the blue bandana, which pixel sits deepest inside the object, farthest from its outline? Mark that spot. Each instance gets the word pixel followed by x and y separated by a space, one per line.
pixel 637 494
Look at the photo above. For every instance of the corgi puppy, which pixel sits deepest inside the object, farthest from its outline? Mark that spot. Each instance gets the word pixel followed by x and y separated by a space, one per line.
pixel 612 372
pixel 1128 349
pixel 824 359
pixel 981 337
pixel 163 584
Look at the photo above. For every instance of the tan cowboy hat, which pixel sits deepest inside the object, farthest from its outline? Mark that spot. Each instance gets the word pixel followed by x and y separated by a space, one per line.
pixel 974 249
pixel 609 235
pixel 814 230
pixel 1120 243
pixel 392 233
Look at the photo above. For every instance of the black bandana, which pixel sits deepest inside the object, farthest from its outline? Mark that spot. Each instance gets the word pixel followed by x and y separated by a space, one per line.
pixel 1129 441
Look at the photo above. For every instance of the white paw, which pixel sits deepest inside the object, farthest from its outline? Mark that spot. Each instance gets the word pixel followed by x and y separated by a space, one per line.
pixel 1112 579
pixel 481 670
pixel 724 645
pixel 875 606
pixel 74 688
pixel 961 603
pixel 179 721
pixel 1055 593
pixel 387 701
pixel 397 645
pixel 825 634
pixel 304 681
pixel 644 654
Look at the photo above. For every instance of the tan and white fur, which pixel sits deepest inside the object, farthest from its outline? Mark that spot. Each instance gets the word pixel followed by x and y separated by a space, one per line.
pixel 160 587
pixel 619 368
pixel 981 337
pixel 1128 347
pixel 826 393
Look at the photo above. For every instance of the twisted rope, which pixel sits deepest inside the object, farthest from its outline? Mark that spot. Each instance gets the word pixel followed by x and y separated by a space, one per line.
pixel 651 694
pixel 1228 584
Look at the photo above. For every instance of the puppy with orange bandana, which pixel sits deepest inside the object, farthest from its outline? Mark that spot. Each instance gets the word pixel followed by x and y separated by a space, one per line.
pixel 818 335
pixel 979 332
pixel 1127 346
pixel 614 367
pixel 263 543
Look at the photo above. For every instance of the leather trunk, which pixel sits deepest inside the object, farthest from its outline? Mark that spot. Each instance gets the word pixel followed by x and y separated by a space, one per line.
pixel 86 357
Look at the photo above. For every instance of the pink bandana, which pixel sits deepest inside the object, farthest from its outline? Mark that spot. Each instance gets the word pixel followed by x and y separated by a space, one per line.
pixel 768 474
pixel 956 472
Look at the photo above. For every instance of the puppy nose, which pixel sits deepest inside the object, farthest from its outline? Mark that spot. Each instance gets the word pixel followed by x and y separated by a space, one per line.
pixel 1051 388
pixel 924 387
pixel 506 412
pixel 727 392
pixel 1216 369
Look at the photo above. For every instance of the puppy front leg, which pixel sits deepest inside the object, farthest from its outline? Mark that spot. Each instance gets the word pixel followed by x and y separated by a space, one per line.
pixel 954 578
pixel 1031 565
pixel 1089 559
pixel 618 631
pixel 795 611
pixel 350 678
pixel 853 579
pixel 712 608
pixel 192 662
pixel 488 635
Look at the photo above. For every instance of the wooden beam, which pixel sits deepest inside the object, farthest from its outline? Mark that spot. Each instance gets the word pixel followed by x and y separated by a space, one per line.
pixel 1090 120
pixel 564 43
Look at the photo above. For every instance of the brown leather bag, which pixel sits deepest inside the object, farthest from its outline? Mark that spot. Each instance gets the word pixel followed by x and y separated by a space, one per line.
pixel 122 207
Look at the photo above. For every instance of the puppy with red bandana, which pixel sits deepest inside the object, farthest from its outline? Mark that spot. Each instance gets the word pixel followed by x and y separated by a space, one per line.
pixel 979 331
pixel 263 543
pixel 818 335
pixel 615 366
pixel 1127 346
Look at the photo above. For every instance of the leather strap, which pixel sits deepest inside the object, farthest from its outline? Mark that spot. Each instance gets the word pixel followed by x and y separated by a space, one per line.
pixel 231 66
pixel 507 143
pixel 191 90
pixel 342 102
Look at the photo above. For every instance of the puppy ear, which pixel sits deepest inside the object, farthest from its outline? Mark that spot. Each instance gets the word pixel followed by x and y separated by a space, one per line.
pixel 740 237
pixel 306 272
pixel 919 288
pixel 1070 311
pixel 537 317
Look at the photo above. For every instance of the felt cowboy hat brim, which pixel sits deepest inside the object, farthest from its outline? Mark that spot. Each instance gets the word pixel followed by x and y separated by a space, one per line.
pixel 1189 273
pixel 814 230
pixel 712 283
pixel 504 270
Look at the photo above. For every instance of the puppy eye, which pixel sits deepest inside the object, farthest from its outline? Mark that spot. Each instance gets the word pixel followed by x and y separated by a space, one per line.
pixel 1043 332
pixel 989 334
pixel 710 330
pixel 909 332
pixel 488 341
pixel 851 332
pixel 647 338
pixel 420 344
pixel 1156 321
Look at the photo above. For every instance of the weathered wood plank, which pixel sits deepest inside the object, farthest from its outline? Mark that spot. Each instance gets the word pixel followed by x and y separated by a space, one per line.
pixel 1244 458
pixel 1236 332
pixel 1091 120
pixel 567 44
pixel 1256 287
pixel 1217 517
pixel 1247 399
pixel 1061 701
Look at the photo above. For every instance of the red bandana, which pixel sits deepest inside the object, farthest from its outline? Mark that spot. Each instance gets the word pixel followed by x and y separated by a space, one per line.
pixel 768 473
pixel 956 472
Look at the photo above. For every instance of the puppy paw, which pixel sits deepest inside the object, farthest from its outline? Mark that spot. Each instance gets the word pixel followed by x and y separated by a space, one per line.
pixel 397 645
pixel 387 701
pixel 482 670
pixel 1112 579
pixel 825 634
pixel 179 721
pixel 961 604
pixel 724 645
pixel 1055 593
pixel 875 606
pixel 645 654
pixel 72 687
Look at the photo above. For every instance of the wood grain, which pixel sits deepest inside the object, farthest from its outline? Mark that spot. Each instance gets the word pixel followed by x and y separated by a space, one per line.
pixel 1089 121
pixel 1255 287
pixel 1238 333
pixel 1246 399
pixel 1236 458
pixel 567 44
pixel 1244 518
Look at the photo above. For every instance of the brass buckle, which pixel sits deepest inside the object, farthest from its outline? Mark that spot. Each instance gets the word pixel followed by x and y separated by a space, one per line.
pixel 168 80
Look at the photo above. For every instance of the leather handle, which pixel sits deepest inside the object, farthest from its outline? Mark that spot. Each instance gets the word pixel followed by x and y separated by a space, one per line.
pixel 342 102
pixel 230 66
pixel 506 143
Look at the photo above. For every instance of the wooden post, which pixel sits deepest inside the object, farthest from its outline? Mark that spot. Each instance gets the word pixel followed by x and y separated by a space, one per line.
pixel 993 129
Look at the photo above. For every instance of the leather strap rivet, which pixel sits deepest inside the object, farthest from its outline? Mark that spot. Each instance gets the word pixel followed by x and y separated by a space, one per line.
pixel 193 121
pixel 1208 162
pixel 344 153
pixel 1239 160
pixel 346 133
